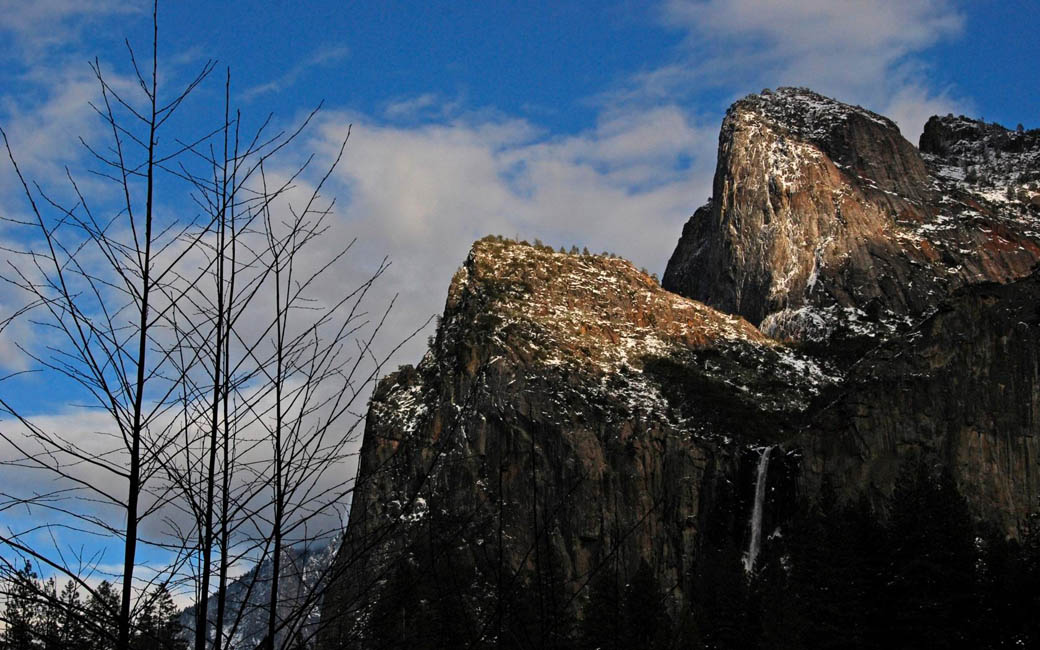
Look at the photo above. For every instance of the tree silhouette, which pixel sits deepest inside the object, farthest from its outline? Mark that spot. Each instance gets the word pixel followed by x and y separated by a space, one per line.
pixel 932 567
pixel 21 607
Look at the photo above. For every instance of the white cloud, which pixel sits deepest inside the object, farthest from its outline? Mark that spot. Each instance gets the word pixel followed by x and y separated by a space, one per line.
pixel 319 58
pixel 41 27
pixel 44 129
pixel 858 51
pixel 411 106
pixel 427 106
pixel 796 27
pixel 423 194
pixel 911 106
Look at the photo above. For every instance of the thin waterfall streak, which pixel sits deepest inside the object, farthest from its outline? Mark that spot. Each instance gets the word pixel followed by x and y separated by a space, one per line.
pixel 756 511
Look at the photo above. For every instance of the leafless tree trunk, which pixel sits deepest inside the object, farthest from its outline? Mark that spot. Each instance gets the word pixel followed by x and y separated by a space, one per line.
pixel 236 416
pixel 108 354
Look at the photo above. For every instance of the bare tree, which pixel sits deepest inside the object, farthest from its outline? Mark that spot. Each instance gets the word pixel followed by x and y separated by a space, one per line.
pixel 228 385
pixel 95 281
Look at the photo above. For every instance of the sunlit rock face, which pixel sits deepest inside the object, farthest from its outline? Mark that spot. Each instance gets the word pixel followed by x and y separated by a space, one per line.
pixel 826 223
pixel 829 230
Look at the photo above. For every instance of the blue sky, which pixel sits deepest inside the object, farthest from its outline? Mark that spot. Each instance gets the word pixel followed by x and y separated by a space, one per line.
pixel 591 123
pixel 579 123
pixel 559 63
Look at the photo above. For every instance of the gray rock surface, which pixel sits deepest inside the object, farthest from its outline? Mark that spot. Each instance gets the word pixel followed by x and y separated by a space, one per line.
pixel 849 302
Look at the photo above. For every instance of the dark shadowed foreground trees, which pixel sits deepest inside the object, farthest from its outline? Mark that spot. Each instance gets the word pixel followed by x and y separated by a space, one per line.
pixel 912 572
pixel 918 574
pixel 39 616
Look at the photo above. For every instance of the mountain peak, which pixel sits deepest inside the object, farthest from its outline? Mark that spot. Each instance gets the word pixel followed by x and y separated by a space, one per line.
pixel 580 373
pixel 599 318
pixel 599 304
pixel 825 221
pixel 805 113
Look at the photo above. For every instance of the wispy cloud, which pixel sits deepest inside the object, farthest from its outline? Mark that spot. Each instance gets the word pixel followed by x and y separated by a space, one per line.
pixel 41 25
pixel 320 58
pixel 859 51
pixel 427 106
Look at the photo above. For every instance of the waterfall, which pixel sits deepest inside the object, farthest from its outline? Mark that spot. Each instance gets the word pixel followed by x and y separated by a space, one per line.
pixel 756 512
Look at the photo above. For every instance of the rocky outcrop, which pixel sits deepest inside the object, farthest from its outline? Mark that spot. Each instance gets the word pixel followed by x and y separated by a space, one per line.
pixel 831 231
pixel 825 222
pixel 569 414
pixel 850 302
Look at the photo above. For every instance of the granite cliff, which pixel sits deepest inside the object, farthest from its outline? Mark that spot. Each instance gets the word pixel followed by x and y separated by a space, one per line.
pixel 844 302
pixel 829 230
pixel 824 221
pixel 568 415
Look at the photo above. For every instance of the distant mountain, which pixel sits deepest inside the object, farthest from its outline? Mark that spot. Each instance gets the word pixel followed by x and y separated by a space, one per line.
pixel 304 576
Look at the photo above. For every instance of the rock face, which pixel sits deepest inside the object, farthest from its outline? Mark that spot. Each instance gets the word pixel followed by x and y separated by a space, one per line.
pixel 824 221
pixel 850 301
pixel 568 414
pixel 831 231
pixel 962 388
